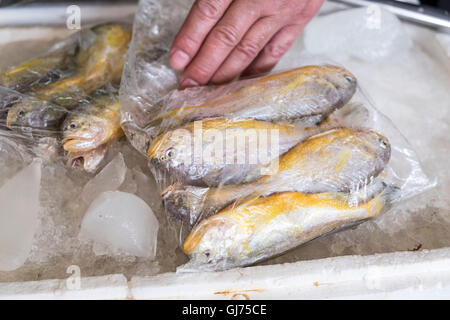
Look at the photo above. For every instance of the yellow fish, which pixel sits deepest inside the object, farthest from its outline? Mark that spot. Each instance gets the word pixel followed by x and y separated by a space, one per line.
pixel 310 91
pixel 92 125
pixel 237 140
pixel 222 151
pixel 87 160
pixel 261 228
pixel 99 64
pixel 339 160
pixel 40 71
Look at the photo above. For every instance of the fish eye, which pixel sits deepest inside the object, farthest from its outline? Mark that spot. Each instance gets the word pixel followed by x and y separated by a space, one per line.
pixel 154 161
pixel 170 153
pixel 349 79
pixel 382 142
pixel 21 113
pixel 72 126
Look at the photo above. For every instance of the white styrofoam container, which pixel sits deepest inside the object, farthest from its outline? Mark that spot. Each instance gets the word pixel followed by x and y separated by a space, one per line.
pixel 409 275
pixel 401 275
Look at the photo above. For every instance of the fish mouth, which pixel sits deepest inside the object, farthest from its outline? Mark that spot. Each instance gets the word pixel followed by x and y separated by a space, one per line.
pixel 10 122
pixel 166 192
pixel 184 203
pixel 87 160
pixel 76 162
pixel 77 144
pixel 154 147
pixel 74 143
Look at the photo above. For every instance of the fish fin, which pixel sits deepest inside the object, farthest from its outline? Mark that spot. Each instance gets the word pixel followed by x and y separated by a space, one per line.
pixel 391 193
pixel 351 115
pixel 184 203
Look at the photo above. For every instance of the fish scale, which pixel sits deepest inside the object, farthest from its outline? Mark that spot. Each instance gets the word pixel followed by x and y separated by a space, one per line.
pixel 173 151
pixel 313 166
pixel 88 130
pixel 302 92
pixel 266 226
pixel 99 64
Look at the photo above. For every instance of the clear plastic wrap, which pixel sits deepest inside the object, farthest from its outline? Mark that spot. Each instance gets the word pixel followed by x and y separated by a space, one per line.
pixel 251 169
pixel 64 104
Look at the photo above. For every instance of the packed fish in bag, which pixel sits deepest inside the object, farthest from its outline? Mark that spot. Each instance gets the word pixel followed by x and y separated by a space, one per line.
pixel 69 96
pixel 251 169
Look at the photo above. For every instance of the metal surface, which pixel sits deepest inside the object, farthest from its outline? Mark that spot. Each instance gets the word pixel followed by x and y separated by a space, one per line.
pixel 420 14
pixel 57 13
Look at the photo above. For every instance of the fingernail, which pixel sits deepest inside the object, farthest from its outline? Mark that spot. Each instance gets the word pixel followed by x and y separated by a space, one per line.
pixel 187 83
pixel 179 59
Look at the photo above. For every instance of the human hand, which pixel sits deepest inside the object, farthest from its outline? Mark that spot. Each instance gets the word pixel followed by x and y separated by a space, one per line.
pixel 222 38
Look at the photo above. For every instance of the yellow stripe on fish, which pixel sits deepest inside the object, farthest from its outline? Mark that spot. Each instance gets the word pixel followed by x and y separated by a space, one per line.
pixel 93 125
pixel 257 229
pixel 338 160
pixel 303 92
pixel 101 63
pixel 237 139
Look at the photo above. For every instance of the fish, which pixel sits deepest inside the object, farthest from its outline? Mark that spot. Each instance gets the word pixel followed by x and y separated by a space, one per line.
pixel 93 125
pixel 310 91
pixel 88 161
pixel 338 160
pixel 175 150
pixel 8 98
pixel 99 64
pixel 30 112
pixel 245 147
pixel 40 71
pixel 267 226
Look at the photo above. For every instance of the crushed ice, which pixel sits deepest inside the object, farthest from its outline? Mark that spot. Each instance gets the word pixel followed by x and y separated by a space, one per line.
pixel 410 86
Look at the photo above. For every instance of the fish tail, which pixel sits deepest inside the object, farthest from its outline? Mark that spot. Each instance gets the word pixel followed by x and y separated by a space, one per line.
pixel 391 193
pixel 383 201
pixel 185 203
pixel 351 115
pixel 169 119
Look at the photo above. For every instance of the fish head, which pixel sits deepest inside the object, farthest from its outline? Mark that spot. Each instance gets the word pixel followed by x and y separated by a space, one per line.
pixel 378 145
pixel 172 150
pixel 83 132
pixel 8 98
pixel 184 203
pixel 344 81
pixel 33 113
pixel 89 160
pixel 211 242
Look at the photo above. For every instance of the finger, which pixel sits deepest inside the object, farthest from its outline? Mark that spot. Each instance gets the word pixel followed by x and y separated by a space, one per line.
pixel 282 41
pixel 247 50
pixel 240 16
pixel 273 51
pixel 202 18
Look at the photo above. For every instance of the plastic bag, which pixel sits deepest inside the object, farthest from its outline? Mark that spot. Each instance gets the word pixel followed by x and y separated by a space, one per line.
pixel 64 104
pixel 251 169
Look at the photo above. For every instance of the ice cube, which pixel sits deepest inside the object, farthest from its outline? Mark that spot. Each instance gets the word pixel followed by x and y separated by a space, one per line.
pixel 129 184
pixel 122 222
pixel 147 189
pixel 19 198
pixel 109 179
pixel 369 33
